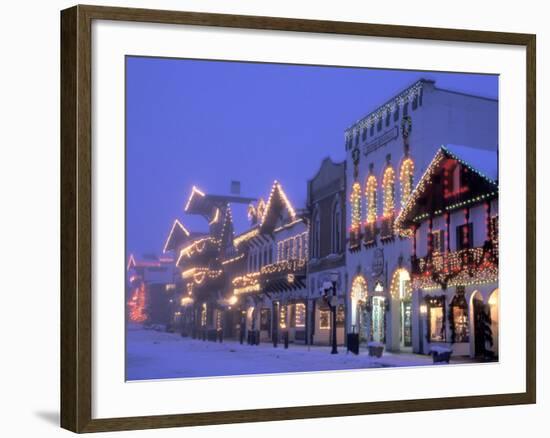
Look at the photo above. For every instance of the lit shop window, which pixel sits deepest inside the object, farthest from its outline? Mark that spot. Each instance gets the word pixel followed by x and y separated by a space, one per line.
pixel 300 316
pixel 324 319
pixel 459 313
pixel 436 319
pixel 203 315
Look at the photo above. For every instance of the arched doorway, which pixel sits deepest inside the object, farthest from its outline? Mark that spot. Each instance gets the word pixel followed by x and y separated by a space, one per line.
pixel 481 324
pixel 401 294
pixel 494 316
pixel 358 297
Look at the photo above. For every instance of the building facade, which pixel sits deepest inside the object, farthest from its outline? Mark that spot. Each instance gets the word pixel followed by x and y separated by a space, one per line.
pixel 452 221
pixel 387 152
pixel 326 199
pixel 270 287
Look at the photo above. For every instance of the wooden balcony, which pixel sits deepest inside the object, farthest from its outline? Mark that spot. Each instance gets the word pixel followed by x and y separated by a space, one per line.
pixel 466 266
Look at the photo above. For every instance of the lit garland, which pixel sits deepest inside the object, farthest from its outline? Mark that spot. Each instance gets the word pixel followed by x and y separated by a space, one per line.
pixel 194 191
pixel 293 242
pixel 137 305
pixel 216 217
pixel 407 95
pixel 284 266
pixel 198 246
pixel 401 284
pixel 370 193
pixel 246 283
pixel 245 236
pixel 355 200
pixel 469 266
pixel 234 259
pixel 277 188
pixel 359 291
pixel 179 225
pixel 388 188
pixel 406 176
pixel 200 274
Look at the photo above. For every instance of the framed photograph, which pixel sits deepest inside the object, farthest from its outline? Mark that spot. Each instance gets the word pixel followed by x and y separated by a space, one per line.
pixel 341 214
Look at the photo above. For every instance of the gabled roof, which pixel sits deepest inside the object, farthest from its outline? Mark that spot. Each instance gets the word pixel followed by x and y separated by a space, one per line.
pixel 276 204
pixel 480 162
pixel 178 234
pixel 206 205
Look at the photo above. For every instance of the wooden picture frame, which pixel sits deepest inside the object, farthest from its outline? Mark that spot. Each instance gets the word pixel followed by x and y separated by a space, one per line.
pixel 76 217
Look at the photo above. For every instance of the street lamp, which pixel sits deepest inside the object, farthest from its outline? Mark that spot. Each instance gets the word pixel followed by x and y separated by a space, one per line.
pixel 329 291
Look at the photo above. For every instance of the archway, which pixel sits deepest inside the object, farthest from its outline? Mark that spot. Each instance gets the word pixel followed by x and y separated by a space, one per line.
pixel 493 303
pixel 481 326
pixel 359 293
pixel 401 294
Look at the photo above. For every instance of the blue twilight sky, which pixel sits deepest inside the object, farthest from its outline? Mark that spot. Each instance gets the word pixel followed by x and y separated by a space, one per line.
pixel 206 123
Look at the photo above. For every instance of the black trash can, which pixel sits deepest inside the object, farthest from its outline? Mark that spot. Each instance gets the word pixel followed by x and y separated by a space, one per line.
pixel 353 342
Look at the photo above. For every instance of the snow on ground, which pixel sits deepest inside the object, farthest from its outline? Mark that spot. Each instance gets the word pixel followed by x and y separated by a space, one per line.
pixel 152 354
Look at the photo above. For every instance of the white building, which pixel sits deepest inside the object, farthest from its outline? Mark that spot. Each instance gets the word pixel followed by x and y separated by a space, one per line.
pixel 387 152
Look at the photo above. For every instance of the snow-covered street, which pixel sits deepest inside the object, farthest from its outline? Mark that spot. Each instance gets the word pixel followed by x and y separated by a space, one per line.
pixel 159 355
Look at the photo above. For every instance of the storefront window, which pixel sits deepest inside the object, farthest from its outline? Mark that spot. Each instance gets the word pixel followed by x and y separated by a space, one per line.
pixel 436 319
pixel 378 308
pixel 324 319
pixel 300 316
pixel 459 315
pixel 282 317
pixel 265 319
pixel 340 316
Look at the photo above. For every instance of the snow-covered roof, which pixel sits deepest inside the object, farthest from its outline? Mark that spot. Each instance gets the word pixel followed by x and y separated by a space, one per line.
pixel 484 161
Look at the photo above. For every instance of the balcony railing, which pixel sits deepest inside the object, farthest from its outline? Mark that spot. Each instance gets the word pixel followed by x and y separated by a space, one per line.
pixel 369 237
pixel 386 227
pixel 354 238
pixel 283 268
pixel 457 267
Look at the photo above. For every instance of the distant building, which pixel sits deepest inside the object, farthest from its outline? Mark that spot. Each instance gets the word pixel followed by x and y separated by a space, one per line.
pixel 326 201
pixel 149 290
pixel 387 152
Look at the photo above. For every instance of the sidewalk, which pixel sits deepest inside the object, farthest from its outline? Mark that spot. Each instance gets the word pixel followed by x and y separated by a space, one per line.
pixel 156 355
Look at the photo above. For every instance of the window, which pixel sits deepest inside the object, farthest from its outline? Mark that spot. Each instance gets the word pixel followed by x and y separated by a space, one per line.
pixel 396 114
pixel 388 189
pixel 436 319
pixel 464 236
pixel 415 102
pixel 265 319
pixel 356 138
pixel 405 109
pixel 324 319
pixel 355 200
pixel 379 124
pixel 336 228
pixel 438 241
pixel 340 316
pixel 388 117
pixel 316 235
pixel 364 134
pixel 406 176
pixel 459 315
pixel 372 130
pixel 300 315
pixel 371 199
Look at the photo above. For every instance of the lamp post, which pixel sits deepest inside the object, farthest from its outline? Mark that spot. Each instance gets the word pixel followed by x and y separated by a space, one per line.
pixel 329 291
